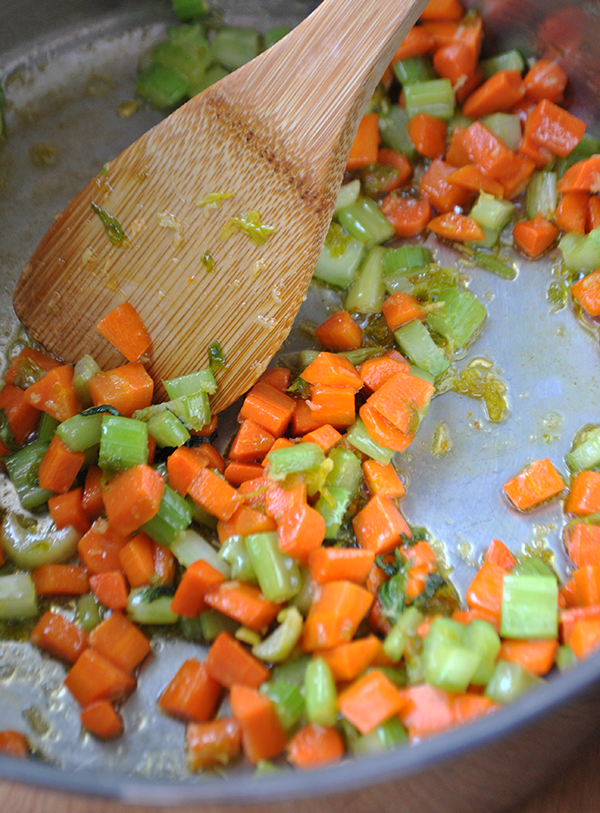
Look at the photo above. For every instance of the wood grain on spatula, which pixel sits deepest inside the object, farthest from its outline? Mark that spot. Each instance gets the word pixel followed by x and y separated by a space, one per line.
pixel 276 134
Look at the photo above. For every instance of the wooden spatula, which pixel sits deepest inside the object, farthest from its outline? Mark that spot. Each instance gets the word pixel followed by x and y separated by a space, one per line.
pixel 275 136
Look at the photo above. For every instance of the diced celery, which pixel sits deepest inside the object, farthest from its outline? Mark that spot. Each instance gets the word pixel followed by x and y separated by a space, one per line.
pixel 17 597
pixel 458 317
pixel 393 132
pixel 414 341
pixel 280 644
pixel 22 467
pixel 414 69
pixel 509 681
pixel 507 126
pixel 233 552
pixel 212 623
pixel 190 547
pixel 123 443
pixel 46 428
pixel 481 637
pixel 304 598
pixel 145 607
pixel 340 270
pixel 278 575
pixel 293 459
pixel 361 354
pixel 490 239
pixel 30 547
pixel 288 700
pixel 190 62
pixel 167 430
pixel 292 671
pixel 422 374
pixel 213 75
pixel 320 694
pixel 406 258
pixel 273 35
pixel 491 212
pixel 397 638
pixel 581 252
pixel 332 506
pixel 447 662
pixel 88 612
pixel 364 220
pixel 85 369
pixel 192 35
pixel 233 47
pixel 529 607
pixel 174 516
pixel 533 566
pixel 586 454
pixel 385 737
pixel 347 195
pixel 163 87
pixel 80 432
pixel 358 437
pixel 188 9
pixel 507 61
pixel 200 381
pixel 542 195
pixel 367 294
pixel 398 282
pixel 566 658
pixel 435 97
pixel 346 472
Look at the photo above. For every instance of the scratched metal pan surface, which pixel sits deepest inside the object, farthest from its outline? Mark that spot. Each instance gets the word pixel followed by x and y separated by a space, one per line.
pixel 65 71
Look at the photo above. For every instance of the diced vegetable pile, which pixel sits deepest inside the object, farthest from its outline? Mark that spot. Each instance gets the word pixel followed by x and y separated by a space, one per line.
pixel 331 624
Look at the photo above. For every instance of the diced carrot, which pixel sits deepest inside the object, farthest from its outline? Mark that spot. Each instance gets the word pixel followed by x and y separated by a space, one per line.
pixel 383 431
pixel 538 483
pixel 21 416
pixel 13 744
pixel 332 405
pixel 464 88
pixel 457 155
pixel 593 218
pixel 370 701
pixel 280 499
pixel 335 614
pixel 183 466
pixel 428 710
pixel 325 436
pixel 314 746
pixel 545 80
pixel 583 545
pixel 366 143
pixel 280 443
pixel 245 521
pixel 251 442
pixel 137 560
pixel 583 176
pixel 92 500
pixel 400 308
pixel 214 494
pixel 394 401
pixel 468 706
pixel 229 662
pixel 555 128
pixel 486 589
pixel 268 407
pixel 498 94
pixel 408 215
pixel 125 330
pixel 331 370
pixel 99 548
pixel 584 497
pixel 126 388
pixel 466 616
pixel 380 526
pixel 516 181
pixel 101 719
pixel 301 530
pixel 522 109
pixel 382 480
pixel 60 637
pixel 59 466
pixel 67 509
pixel 428 134
pixel 375 372
pixel 443 194
pixel 237 473
pixel 133 497
pixel 165 563
pixel 397 160
pixel 244 603
pixel 567 595
pixel 335 564
pixel 120 641
pixel 60 580
pixel 28 361
pixel 198 579
pixel 211 744
pixel 500 555
pixel 587 584
pixel 192 695
pixel 278 377
pixel 92 677
pixel 348 661
pixel 110 589
pixel 456 61
pixel 535 656
pixel 529 148
pixel 208 430
pixel 471 177
pixel 340 332
pixel 443 10
pixel 572 212
pixel 456 227
pixel 418 41
pixel 585 637
pixel 54 393
pixel 570 616
pixel 441 31
pixel 483 147
pixel 263 736
pixel 533 237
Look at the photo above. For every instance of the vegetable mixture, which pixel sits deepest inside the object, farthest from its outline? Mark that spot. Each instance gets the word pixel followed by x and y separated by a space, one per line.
pixel 332 625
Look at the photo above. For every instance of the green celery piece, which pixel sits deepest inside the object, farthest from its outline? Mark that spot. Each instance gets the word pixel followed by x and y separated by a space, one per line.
pixel 288 700
pixel 529 607
pixel 361 354
pixel 233 47
pixel 461 317
pixel 212 623
pixel 506 61
pixel 233 551
pixel 414 69
pixel 586 454
pixel 192 410
pixel 414 341
pixel 581 252
pixel 87 613
pixel 22 467
pixel 393 132
pixel 395 283
pixel 509 681
pixel 167 430
pixel 358 437
pixel 273 35
pixel 200 381
pixel 489 241
pixel 80 432
pixel 189 62
pixel 507 126
pixel 320 694
pixel 435 97
pixel 397 638
pixel 333 514
pixel 191 36
pixel 162 87
pixel 340 270
pixel 279 645
pixel 542 195
pixel 143 607
pixel 533 566
pixel 566 658
pixel 292 671
pixel 385 737
pixel 85 369
pixel 347 195
pixel 346 472
pixel 588 146
pixel 294 459
pixel 46 428
pixel 367 294
pixel 422 374
pixel 213 75
pixel 481 637
pixel 173 517
pixel 123 443
pixel 188 9
pixel 407 259
pixel 448 663
pixel 364 220
pixel 491 212
pixel 17 597
pixel 278 575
